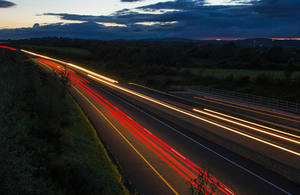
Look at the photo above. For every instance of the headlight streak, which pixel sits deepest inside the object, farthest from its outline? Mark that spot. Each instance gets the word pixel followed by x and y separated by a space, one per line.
pixel 60 69
pixel 197 117
pixel 247 109
pixel 247 126
pixel 179 104
pixel 262 126
pixel 172 162
pixel 72 65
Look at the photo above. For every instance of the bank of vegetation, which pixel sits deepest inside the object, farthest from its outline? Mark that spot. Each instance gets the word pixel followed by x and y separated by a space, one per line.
pixel 47 145
pixel 266 71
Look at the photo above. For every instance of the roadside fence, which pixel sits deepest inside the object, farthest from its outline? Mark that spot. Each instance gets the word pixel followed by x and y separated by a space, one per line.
pixel 292 106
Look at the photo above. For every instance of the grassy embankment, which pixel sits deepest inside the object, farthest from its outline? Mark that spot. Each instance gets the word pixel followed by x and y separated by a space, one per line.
pixel 47 144
pixel 257 82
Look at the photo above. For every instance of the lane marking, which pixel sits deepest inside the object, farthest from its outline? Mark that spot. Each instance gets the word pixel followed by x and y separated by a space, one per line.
pixel 221 156
pixel 128 142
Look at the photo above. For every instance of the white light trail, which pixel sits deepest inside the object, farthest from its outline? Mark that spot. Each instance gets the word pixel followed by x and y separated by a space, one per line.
pixel 72 65
pixel 197 117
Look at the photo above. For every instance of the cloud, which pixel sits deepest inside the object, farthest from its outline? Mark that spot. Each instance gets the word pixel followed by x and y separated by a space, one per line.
pixel 130 1
pixel 181 18
pixel 6 4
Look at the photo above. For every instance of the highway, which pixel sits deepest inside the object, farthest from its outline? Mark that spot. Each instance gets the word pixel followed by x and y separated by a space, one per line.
pixel 160 157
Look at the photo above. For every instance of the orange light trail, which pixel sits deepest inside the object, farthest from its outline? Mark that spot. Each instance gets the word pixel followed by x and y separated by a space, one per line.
pixel 247 126
pixel 72 65
pixel 262 126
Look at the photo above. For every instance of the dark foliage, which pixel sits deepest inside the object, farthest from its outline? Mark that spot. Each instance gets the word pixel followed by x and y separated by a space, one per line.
pixel 34 126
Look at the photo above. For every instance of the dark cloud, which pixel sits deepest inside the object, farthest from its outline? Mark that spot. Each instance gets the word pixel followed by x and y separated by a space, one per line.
pixel 130 1
pixel 181 18
pixel 6 4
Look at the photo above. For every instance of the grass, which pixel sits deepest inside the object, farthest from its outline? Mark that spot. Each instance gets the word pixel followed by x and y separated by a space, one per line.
pixel 87 148
pixel 48 145
pixel 78 51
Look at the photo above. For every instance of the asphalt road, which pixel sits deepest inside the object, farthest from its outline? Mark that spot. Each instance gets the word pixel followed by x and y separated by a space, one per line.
pixel 153 169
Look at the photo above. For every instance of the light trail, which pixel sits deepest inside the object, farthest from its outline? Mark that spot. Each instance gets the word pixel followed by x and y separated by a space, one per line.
pixel 5 47
pixel 245 121
pixel 179 104
pixel 200 144
pixel 129 143
pixel 151 141
pixel 247 126
pixel 72 65
pixel 251 110
pixel 262 126
pixel 227 189
pixel 197 117
pixel 161 154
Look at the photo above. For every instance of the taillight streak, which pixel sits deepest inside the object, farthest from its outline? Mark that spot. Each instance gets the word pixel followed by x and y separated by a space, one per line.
pixel 222 187
pixel 149 138
pixel 91 92
pixel 5 47
pixel 185 160
pixel 146 137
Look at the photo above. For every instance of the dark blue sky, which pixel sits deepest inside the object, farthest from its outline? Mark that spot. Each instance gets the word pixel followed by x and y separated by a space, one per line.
pixel 193 19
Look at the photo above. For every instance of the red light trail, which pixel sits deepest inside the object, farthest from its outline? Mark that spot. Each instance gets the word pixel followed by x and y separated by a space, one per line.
pixel 177 161
pixel 5 47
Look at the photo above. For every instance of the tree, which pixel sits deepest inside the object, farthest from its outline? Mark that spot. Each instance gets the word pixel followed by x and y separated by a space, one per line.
pixel 289 69
pixel 203 184
pixel 226 51
pixel 275 54
pixel 244 54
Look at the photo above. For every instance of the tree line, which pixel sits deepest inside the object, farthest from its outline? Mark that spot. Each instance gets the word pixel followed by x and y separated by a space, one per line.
pixel 180 54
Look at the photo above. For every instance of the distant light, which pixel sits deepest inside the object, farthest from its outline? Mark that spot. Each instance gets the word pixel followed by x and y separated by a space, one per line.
pixel 286 39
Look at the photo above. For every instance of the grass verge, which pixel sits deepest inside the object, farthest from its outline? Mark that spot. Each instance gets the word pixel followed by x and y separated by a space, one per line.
pixel 47 145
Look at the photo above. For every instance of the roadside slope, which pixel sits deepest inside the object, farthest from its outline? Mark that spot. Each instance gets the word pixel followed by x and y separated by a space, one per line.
pixel 47 144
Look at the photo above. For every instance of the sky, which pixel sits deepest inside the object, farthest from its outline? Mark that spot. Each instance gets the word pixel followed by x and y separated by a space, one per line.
pixel 142 19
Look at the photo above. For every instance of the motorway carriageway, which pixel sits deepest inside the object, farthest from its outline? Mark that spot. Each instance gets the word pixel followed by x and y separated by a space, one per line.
pixel 181 164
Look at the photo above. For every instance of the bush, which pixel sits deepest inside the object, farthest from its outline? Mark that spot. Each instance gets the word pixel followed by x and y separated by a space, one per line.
pixel 243 80
pixel 262 79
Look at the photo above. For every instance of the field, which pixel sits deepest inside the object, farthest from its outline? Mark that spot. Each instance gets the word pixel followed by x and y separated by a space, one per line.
pixel 238 73
pixel 78 51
